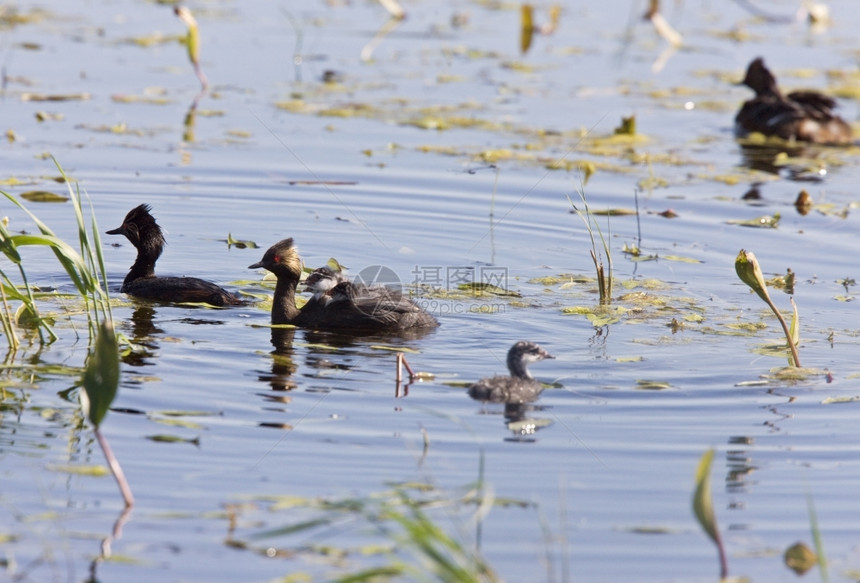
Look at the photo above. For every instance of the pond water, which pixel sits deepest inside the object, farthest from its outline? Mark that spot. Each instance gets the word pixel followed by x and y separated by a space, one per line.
pixel 254 462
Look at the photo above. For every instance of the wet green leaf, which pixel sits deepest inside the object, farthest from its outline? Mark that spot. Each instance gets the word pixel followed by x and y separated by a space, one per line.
pixel 762 222
pixel 613 212
pixel 101 376
pixel 240 244
pixel 163 438
pixel 680 259
pixel 600 320
pixel 395 348
pixel 96 471
pixel 839 400
pixel 649 385
pixel 55 97
pixel 43 196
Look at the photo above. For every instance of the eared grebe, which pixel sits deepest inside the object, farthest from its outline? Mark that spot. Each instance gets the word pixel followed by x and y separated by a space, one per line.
pixel 520 387
pixel 339 307
pixel 143 232
pixel 801 115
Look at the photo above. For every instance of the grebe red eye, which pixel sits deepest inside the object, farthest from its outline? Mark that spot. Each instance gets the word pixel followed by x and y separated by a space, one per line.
pixel 277 258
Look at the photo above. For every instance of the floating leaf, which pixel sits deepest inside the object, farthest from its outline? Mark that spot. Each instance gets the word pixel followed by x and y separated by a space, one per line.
pixel 240 244
pixel 652 385
pixel 43 196
pixel 600 320
pixel 161 438
pixel 762 222
pixel 101 377
pixel 613 212
pixel 837 400
pixel 680 259
pixel 95 471
pixel 54 97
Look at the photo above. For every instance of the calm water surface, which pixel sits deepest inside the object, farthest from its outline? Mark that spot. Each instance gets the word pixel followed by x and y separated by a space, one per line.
pixel 605 486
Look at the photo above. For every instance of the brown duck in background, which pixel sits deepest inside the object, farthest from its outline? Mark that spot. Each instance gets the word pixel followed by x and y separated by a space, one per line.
pixel 140 228
pixel 518 388
pixel 341 306
pixel 801 115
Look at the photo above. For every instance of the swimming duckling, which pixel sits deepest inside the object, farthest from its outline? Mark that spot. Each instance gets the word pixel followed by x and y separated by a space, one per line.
pixel 520 386
pixel 140 228
pixel 350 307
pixel 801 115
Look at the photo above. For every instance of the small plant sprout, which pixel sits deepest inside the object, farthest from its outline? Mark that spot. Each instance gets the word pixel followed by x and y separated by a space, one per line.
pixel 604 274
pixel 192 42
pixel 748 270
pixel 703 508
pixel 100 382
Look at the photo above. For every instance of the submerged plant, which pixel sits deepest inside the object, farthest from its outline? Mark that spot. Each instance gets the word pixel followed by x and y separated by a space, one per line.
pixel 604 274
pixel 747 268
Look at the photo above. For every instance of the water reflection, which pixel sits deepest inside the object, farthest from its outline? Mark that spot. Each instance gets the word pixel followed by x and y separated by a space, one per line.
pixel 739 463
pixel 322 345
pixel 772 159
pixel 283 361
pixel 143 333
pixel 519 419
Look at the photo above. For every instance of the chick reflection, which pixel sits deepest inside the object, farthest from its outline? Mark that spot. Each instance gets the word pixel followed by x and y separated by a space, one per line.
pixel 516 391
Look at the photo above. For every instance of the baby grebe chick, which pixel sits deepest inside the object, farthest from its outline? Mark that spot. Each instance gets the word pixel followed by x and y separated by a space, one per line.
pixel 321 281
pixel 518 388
pixel 348 306
pixel 801 115
pixel 140 228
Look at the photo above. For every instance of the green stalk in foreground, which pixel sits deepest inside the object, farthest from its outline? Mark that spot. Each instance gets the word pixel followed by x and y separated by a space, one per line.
pixel 100 383
pixel 747 268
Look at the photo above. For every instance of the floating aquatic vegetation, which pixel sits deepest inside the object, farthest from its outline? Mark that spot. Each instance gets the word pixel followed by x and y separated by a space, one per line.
pixel 240 243
pixel 43 116
pixel 762 222
pixel 148 99
pixel 55 96
pixel 43 196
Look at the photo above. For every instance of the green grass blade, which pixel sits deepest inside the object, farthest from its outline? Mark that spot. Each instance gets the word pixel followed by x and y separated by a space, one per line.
pixel 816 538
